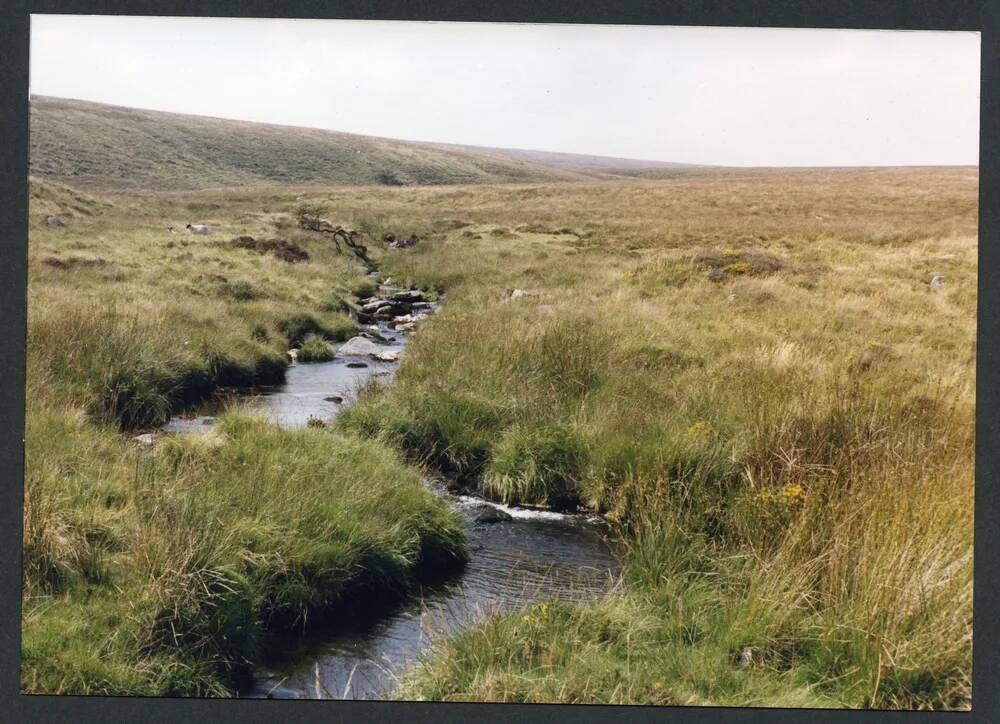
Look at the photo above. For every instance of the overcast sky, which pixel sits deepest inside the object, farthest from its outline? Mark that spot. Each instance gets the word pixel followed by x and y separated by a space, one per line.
pixel 730 96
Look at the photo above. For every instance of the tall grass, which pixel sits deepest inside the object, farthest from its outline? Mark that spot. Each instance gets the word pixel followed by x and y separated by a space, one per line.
pixel 214 541
pixel 163 570
pixel 785 448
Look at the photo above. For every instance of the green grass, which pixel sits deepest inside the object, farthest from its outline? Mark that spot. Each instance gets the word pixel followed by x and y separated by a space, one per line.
pixel 779 445
pixel 164 570
pixel 213 542
pixel 315 350
pixel 776 417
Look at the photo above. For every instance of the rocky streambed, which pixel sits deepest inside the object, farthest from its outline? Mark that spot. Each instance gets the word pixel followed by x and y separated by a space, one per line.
pixel 517 555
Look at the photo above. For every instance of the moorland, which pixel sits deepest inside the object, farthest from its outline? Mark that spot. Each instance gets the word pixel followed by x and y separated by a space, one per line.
pixel 747 374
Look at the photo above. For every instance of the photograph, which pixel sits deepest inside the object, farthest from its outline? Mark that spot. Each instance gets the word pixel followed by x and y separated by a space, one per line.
pixel 536 363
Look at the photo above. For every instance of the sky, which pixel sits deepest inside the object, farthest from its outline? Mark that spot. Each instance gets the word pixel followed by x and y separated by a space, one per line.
pixel 726 96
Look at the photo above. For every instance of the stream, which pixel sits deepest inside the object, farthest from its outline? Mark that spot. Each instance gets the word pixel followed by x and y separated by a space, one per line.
pixel 527 556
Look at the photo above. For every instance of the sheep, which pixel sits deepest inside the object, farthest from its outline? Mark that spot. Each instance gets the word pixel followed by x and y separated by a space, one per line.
pixel 197 228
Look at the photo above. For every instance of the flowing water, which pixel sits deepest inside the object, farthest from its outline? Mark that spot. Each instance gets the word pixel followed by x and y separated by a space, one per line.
pixel 533 555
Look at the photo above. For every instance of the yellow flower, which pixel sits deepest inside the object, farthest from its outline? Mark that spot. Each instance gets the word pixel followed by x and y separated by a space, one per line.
pixel 699 429
pixel 793 493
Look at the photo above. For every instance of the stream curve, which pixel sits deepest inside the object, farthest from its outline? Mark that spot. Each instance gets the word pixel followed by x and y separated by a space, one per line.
pixel 527 556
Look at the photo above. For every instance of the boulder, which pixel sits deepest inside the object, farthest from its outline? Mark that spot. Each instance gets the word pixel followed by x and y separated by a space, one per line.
pixel 407 319
pixel 357 365
pixel 374 337
pixel 358 347
pixel 488 514
pixel 389 355
pixel 937 281
pixel 411 295
pixel 146 439
pixel 336 399
pixel 55 221
pixel 374 306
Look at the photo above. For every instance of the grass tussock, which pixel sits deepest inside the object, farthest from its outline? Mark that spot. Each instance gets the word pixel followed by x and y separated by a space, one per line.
pixel 318 523
pixel 777 420
pixel 315 350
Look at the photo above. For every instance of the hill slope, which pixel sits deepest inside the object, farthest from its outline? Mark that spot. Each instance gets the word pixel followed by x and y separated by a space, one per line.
pixel 584 163
pixel 98 146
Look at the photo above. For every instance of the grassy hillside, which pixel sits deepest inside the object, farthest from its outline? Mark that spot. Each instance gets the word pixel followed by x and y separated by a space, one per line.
pixel 600 166
pixel 97 146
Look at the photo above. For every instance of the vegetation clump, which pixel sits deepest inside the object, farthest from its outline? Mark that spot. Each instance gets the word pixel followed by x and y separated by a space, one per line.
pixel 733 262
pixel 541 466
pixel 279 248
pixel 314 350
pixel 298 327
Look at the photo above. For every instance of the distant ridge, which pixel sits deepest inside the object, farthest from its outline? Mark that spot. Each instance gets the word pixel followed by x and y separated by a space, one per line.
pixel 106 147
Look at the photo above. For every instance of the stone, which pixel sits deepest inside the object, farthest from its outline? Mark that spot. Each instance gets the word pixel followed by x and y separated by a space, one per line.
pixel 408 327
pixel 374 306
pixel 336 399
pixel 937 281
pixel 488 514
pixel 146 439
pixel 407 319
pixel 357 365
pixel 518 293
pixel 280 693
pixel 374 336
pixel 55 221
pixel 389 355
pixel 358 347
pixel 411 295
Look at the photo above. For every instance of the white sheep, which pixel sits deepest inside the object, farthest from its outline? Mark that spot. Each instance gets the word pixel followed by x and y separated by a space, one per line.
pixel 197 228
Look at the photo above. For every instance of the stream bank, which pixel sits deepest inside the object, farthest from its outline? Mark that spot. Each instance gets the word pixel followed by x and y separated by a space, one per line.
pixel 518 555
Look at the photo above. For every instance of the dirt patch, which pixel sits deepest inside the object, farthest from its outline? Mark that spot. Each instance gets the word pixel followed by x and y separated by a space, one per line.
pixel 74 262
pixel 731 263
pixel 281 248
